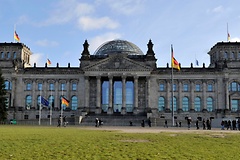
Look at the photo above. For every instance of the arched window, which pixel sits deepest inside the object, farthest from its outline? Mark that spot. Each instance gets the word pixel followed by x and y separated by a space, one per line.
pixel 28 102
pixel 174 104
pixel 185 104
pixel 197 104
pixel 161 104
pixel 234 86
pixel 8 85
pixel 74 103
pixel 8 55
pixel 210 104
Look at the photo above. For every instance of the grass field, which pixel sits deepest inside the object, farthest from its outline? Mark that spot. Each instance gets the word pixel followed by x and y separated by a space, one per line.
pixel 72 143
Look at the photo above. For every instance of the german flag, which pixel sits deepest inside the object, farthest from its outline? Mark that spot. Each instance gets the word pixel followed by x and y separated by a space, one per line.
pixel 16 37
pixel 174 63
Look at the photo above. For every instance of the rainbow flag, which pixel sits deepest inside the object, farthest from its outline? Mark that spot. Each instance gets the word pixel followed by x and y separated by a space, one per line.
pixel 65 101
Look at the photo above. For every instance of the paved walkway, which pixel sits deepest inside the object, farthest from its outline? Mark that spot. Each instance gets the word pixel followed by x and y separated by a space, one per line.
pixel 135 129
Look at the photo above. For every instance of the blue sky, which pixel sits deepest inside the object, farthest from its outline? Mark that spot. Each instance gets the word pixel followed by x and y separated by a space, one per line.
pixel 56 29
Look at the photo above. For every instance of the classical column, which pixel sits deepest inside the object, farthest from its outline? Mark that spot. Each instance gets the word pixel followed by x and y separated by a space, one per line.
pixel 110 103
pixel 168 96
pixel 227 93
pixel 123 110
pixel 56 96
pixel 98 96
pixel 204 109
pixel 34 97
pixel 179 96
pixel 192 88
pixel 135 111
pixel 86 98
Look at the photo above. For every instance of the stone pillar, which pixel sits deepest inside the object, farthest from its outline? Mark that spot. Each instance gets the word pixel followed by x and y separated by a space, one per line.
pixel 86 98
pixel 168 97
pixel 135 110
pixel 123 110
pixel 110 103
pixel 192 88
pixel 204 102
pixel 227 94
pixel 179 96
pixel 57 96
pixel 98 96
pixel 34 96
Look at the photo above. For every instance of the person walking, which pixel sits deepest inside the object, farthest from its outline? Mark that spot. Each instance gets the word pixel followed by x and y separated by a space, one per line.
pixel 197 124
pixel 165 124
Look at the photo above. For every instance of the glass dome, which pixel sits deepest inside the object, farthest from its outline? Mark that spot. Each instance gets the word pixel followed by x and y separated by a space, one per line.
pixel 118 47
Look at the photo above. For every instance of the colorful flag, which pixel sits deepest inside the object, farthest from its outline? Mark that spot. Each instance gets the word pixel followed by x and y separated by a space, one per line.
pixel 49 62
pixel 16 37
pixel 174 62
pixel 228 37
pixel 65 101
pixel 44 101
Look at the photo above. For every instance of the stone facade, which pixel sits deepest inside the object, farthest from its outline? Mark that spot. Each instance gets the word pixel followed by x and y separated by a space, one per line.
pixel 199 92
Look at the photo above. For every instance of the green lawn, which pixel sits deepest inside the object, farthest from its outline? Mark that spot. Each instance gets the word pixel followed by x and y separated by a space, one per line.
pixel 71 143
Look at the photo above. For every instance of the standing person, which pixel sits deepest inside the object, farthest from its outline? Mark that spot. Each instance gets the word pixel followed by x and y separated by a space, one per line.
pixel 59 121
pixel 197 124
pixel 204 124
pixel 165 124
pixel 64 121
pixel 143 123
pixel 96 122
pixel 149 122
pixel 222 125
pixel 229 126
pixel 180 124
pixel 238 122
pixel 189 122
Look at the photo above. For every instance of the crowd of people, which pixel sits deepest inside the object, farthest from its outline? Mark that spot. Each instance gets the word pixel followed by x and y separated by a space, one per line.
pixel 231 124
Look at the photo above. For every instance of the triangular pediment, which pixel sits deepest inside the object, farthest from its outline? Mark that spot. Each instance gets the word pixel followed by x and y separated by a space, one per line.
pixel 117 62
pixel 235 95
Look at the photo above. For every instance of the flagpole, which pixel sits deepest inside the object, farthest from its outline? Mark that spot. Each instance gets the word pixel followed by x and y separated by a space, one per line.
pixel 61 109
pixel 172 88
pixel 51 108
pixel 14 29
pixel 40 107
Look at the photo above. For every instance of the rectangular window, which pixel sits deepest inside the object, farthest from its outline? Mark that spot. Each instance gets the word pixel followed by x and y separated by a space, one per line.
pixel 63 86
pixel 25 116
pixel 74 86
pixel 198 87
pixel 40 86
pixel 161 87
pixel 28 86
pixel 51 87
pixel 174 87
pixel 185 87
pixel 209 87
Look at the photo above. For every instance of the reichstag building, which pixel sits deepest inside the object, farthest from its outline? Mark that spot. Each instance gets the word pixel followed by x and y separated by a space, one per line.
pixel 121 80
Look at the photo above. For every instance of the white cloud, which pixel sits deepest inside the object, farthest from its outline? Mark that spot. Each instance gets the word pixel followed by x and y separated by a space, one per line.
pixel 46 43
pixel 68 10
pixel 36 58
pixel 88 23
pixel 217 9
pixel 235 39
pixel 99 40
